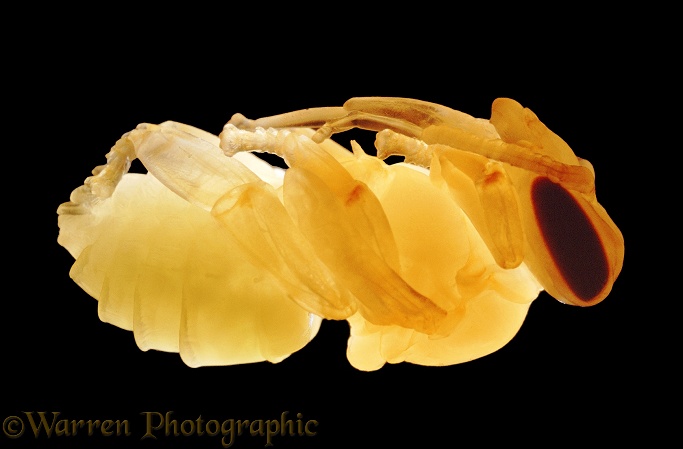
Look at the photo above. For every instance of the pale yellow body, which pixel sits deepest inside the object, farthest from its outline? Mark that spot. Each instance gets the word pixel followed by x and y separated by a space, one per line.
pixel 218 256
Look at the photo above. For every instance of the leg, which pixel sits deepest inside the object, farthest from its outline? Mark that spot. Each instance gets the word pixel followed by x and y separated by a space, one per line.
pixel 342 219
pixel 436 124
pixel 328 121
pixel 403 115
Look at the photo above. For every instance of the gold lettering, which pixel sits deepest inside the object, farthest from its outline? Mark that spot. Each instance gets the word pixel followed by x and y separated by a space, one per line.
pixel 184 430
pixel 171 423
pixel 149 427
pixel 43 424
pixel 284 424
pixel 92 426
pixel 52 423
pixel 311 433
pixel 228 430
pixel 273 427
pixel 75 425
pixel 241 423
pixel 107 424
pixel 259 428
pixel 122 428
pixel 200 430
pixel 299 424
pixel 209 431
pixel 62 428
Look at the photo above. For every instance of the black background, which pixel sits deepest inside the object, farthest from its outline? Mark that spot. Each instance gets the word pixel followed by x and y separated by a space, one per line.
pixel 571 374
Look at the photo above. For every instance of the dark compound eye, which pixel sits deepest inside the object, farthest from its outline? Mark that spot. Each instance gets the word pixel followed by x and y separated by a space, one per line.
pixel 571 239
